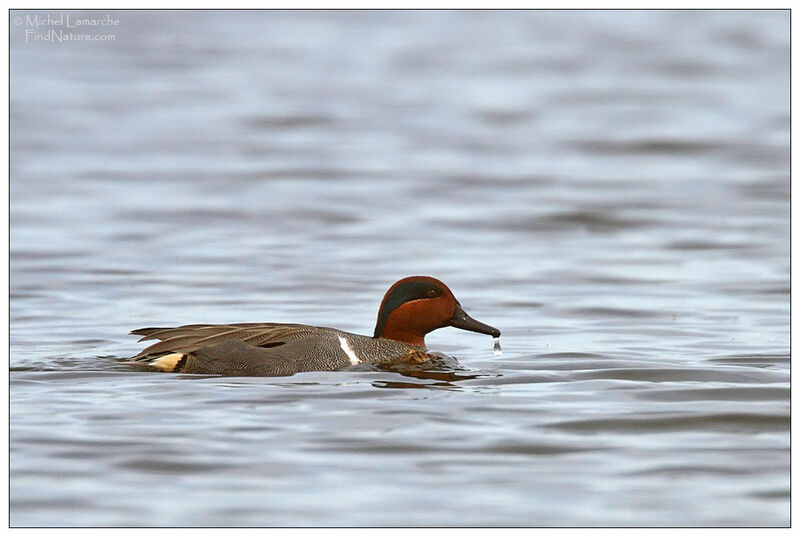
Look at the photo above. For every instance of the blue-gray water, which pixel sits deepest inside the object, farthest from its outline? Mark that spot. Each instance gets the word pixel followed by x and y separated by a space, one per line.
pixel 610 189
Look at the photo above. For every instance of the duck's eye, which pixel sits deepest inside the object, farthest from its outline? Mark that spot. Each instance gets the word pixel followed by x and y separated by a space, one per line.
pixel 432 293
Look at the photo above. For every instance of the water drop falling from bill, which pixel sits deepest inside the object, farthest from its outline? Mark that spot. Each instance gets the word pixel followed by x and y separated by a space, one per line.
pixel 498 350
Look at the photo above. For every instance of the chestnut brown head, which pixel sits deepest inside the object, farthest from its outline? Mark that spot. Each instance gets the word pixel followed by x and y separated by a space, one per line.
pixel 417 305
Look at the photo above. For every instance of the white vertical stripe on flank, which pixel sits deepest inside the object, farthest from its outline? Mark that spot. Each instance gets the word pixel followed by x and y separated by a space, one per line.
pixel 348 351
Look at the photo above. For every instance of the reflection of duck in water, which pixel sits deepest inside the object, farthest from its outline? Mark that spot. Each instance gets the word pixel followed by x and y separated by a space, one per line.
pixel 410 309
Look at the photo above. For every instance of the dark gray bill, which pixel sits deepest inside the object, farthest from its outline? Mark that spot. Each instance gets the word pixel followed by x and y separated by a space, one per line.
pixel 461 320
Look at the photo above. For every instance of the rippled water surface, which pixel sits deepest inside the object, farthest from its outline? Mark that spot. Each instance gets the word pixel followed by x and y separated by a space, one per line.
pixel 610 189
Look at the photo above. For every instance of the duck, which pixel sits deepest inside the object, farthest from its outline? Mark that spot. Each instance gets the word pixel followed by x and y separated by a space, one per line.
pixel 410 309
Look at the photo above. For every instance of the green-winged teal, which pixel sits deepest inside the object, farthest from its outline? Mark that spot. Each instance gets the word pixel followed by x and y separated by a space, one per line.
pixel 410 309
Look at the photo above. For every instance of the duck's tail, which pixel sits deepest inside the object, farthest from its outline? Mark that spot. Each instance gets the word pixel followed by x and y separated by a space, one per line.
pixel 171 362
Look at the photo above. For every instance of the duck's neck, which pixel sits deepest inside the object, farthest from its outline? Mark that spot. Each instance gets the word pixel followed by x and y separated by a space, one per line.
pixel 405 336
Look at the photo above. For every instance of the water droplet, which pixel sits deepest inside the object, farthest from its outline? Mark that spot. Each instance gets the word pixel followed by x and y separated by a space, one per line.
pixel 498 350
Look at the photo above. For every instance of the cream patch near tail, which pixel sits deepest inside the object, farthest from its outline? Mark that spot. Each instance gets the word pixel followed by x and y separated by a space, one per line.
pixel 168 362
pixel 348 351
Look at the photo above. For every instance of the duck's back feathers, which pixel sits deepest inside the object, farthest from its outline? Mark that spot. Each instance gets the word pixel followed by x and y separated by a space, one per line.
pixel 189 338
